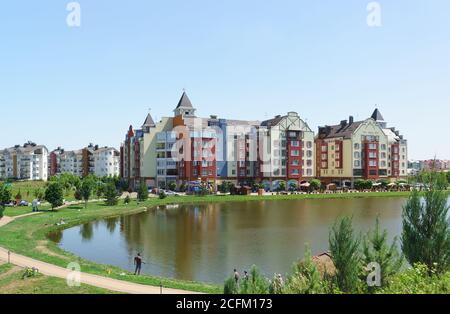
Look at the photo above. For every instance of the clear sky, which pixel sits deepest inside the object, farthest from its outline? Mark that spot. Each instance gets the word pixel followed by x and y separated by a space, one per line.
pixel 242 59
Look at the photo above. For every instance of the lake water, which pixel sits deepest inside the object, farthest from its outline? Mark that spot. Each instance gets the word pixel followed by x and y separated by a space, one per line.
pixel 206 242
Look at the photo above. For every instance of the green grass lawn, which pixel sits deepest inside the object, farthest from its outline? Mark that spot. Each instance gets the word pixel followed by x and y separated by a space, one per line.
pixel 27 236
pixel 11 282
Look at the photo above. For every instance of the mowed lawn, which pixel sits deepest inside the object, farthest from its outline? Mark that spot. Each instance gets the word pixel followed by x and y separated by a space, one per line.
pixel 12 282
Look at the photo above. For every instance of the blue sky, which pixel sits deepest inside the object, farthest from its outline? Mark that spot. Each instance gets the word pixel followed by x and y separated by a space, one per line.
pixel 245 59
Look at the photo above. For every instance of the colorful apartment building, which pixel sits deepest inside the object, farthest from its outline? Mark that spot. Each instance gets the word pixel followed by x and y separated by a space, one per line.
pixel 365 149
pixel 100 161
pixel 27 162
pixel 187 149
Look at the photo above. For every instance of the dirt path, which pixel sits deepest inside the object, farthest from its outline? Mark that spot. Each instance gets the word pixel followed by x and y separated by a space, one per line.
pixel 89 279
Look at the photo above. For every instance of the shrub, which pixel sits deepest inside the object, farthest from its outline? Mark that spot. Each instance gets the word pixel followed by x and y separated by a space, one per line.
pixel 344 247
pixel 142 192
pixel 305 278
pixel 230 286
pixel 376 249
pixel 111 194
pixel 418 280
pixel 255 284
pixel 172 186
pixel 315 184
pixel 426 226
pixel 162 195
pixel 127 200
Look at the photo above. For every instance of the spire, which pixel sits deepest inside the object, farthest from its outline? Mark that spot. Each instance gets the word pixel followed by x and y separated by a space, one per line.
pixel 149 122
pixel 184 102
pixel 376 115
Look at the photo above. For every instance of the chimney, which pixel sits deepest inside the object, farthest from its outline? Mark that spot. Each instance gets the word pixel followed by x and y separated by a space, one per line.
pixel 350 120
pixel 343 123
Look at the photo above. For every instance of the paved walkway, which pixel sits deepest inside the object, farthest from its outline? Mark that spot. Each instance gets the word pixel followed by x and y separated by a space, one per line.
pixel 89 279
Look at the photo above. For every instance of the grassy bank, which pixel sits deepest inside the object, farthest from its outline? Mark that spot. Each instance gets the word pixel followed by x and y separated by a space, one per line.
pixel 27 236
pixel 12 282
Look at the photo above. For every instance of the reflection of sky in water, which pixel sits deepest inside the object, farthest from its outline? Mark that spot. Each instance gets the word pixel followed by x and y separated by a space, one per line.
pixel 206 242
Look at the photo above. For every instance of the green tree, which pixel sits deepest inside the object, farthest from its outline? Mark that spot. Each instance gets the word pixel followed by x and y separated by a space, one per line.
pixel 305 278
pixel 86 189
pixel 315 184
pixel 54 194
pixel 255 284
pixel 344 247
pixel 111 195
pixel 142 193
pixel 376 249
pixel 5 197
pixel 426 226
pixel 172 186
pixel 281 186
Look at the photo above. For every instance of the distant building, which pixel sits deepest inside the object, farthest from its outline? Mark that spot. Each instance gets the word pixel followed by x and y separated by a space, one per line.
pixel 436 164
pixel 27 162
pixel 101 161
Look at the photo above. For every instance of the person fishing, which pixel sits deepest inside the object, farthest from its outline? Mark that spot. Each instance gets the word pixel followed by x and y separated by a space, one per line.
pixel 138 263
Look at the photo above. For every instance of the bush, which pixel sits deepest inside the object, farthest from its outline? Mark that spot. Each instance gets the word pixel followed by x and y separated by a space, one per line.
pixel 418 280
pixel 230 286
pixel 344 247
pixel 255 284
pixel 315 184
pixel 162 195
pixel 142 192
pixel 111 195
pixel 426 227
pixel 305 278
pixel 127 200
pixel 226 187
pixel 172 186
pixel 376 249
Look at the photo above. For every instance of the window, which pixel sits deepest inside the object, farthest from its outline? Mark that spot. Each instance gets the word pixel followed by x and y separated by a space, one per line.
pixel 383 146
pixel 309 144
pixel 372 155
pixel 295 172
pixel 295 143
pixel 372 146
pixel 357 163
pixel 295 162
pixel 309 153
pixel 383 155
pixel 295 153
pixel 357 155
pixel 356 146
pixel 372 163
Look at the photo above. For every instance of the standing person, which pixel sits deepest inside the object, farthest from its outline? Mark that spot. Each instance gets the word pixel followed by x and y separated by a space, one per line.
pixel 236 276
pixel 138 263
pixel 245 275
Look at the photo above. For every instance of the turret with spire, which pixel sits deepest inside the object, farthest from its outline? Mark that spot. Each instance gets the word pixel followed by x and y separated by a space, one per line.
pixel 184 107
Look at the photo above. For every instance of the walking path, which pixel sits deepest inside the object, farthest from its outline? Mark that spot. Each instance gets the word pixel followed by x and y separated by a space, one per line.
pixel 88 279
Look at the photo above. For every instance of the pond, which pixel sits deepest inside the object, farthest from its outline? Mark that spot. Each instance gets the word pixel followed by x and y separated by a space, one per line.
pixel 206 242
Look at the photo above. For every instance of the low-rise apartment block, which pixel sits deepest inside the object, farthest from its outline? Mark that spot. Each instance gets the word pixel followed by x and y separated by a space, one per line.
pixel 365 149
pixel 100 161
pixel 27 162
